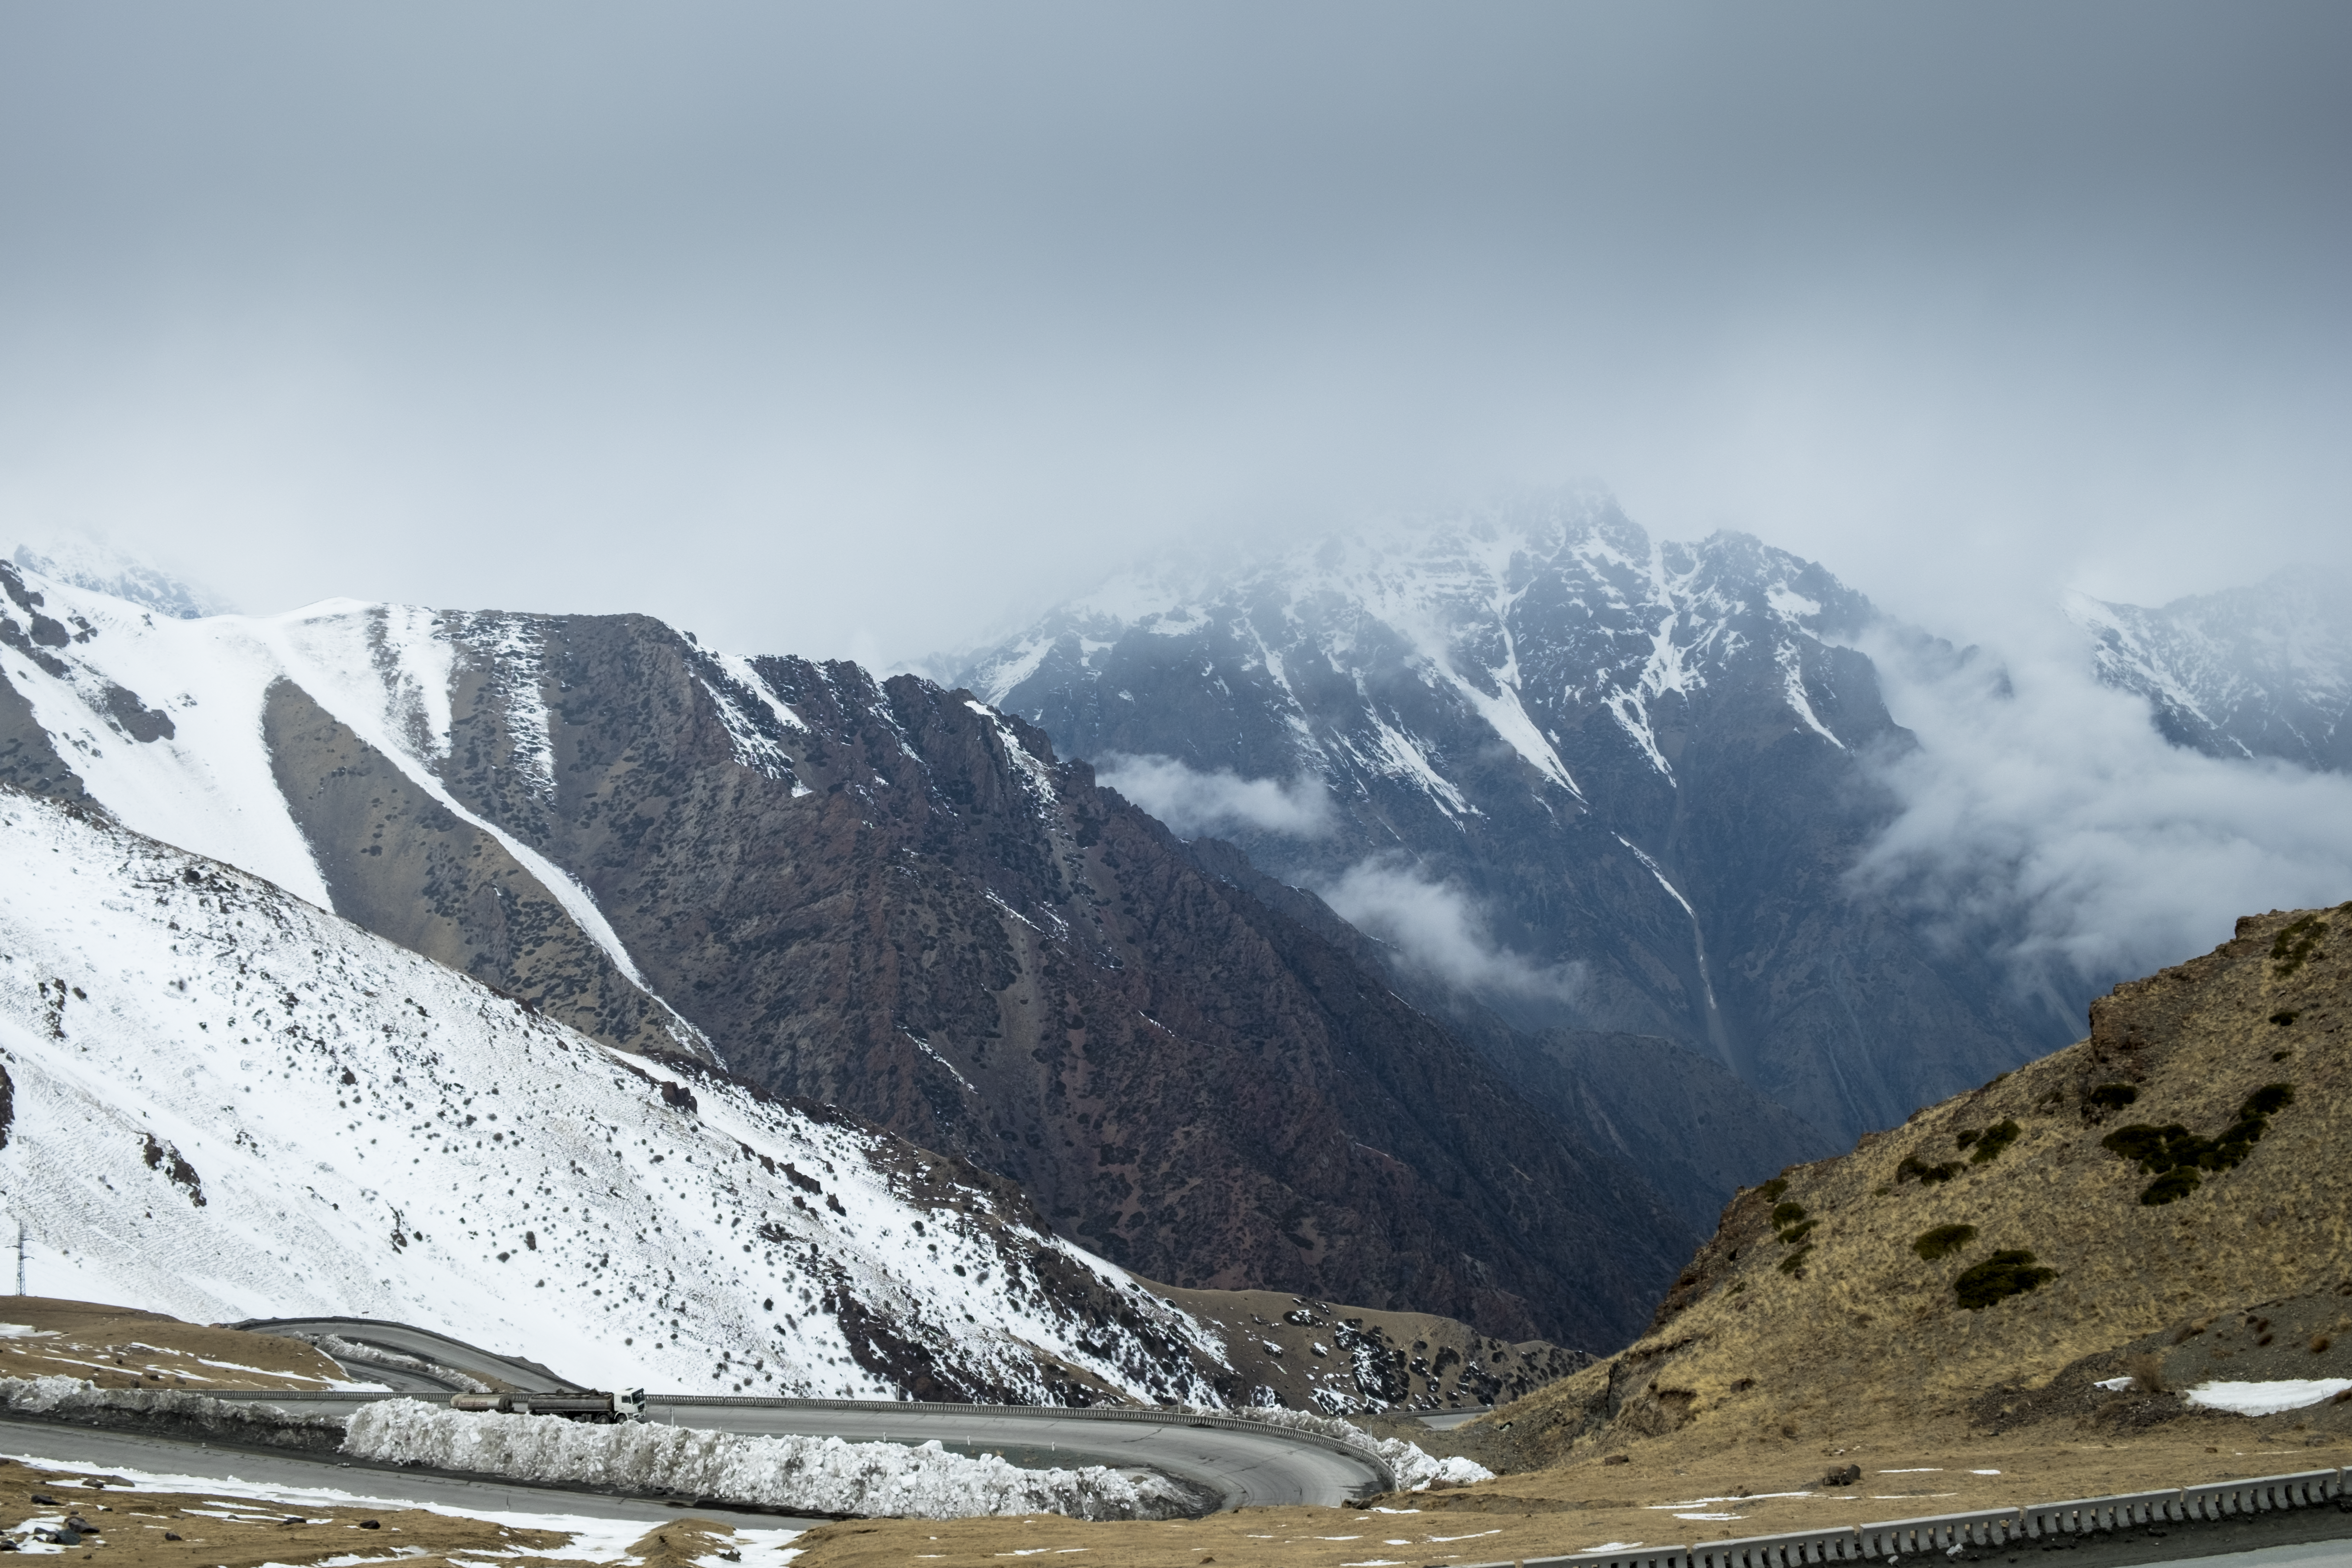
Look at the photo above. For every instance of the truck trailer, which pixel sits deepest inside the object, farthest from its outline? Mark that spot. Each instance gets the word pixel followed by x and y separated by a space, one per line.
pixel 591 1405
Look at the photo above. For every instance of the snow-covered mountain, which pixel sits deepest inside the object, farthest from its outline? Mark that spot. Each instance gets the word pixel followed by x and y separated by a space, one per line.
pixel 1586 777
pixel 220 1101
pixel 877 895
pixel 2259 672
pixel 94 563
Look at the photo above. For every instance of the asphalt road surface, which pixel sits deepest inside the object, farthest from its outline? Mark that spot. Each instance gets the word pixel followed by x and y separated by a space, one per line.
pixel 1255 1466
pixel 421 1344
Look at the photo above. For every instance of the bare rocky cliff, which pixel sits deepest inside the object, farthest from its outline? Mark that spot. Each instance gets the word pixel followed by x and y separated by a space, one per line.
pixel 881 895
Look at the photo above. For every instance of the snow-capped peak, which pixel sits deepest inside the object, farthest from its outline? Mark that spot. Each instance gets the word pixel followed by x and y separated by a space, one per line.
pixel 89 561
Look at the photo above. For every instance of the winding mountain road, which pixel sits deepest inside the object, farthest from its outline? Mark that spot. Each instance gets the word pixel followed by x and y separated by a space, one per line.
pixel 1241 1464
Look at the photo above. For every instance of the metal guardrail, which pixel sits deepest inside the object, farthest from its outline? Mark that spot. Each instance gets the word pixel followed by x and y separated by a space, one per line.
pixel 1985 1528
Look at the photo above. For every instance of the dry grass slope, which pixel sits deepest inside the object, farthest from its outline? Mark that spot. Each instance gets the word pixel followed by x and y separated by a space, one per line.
pixel 125 1347
pixel 1998 1236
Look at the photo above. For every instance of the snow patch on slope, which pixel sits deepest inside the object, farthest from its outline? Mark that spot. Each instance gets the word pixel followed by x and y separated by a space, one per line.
pixel 385 670
pixel 235 1105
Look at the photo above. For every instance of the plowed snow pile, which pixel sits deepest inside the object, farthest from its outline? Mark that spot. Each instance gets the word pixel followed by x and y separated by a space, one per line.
pixel 1416 1470
pixel 818 1474
pixel 172 1409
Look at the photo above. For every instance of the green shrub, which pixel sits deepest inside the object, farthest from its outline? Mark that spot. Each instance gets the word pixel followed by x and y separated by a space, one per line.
pixel 1774 1188
pixel 1998 1278
pixel 1911 1170
pixel 2158 1151
pixel 2151 1146
pixel 1943 1241
pixel 2177 1183
pixel 2112 1096
pixel 1797 1233
pixel 1966 1136
pixel 1796 1260
pixel 1788 1214
pixel 2294 944
pixel 1996 1138
pixel 2268 1100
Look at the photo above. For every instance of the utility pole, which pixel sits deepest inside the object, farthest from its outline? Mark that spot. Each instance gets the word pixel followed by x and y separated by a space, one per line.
pixel 20 1258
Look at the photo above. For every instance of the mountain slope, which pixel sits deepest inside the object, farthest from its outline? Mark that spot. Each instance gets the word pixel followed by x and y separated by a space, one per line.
pixel 1688 1124
pixel 882 896
pixel 222 1103
pixel 1637 767
pixel 2260 671
pixel 2184 1164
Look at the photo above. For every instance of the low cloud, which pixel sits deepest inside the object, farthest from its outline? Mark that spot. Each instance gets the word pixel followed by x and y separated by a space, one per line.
pixel 1193 803
pixel 2045 821
pixel 1440 930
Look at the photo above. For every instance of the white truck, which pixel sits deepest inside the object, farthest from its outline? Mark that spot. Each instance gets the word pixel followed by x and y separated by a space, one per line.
pixel 591 1405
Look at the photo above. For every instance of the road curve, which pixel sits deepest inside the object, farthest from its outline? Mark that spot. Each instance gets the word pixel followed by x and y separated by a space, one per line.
pixel 486 1366
pixel 1241 1464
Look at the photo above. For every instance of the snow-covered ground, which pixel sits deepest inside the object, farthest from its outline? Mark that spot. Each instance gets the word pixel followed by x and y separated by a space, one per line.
pixel 229 1103
pixel 593 1539
pixel 821 1475
pixel 2271 1398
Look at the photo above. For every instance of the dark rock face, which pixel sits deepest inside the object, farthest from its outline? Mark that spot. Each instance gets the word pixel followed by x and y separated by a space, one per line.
pixel 28 758
pixel 1637 1096
pixel 886 897
pixel 1646 765
pixel 1697 1132
pixel 405 866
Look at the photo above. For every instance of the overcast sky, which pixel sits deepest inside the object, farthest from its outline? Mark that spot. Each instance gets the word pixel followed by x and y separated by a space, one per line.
pixel 858 331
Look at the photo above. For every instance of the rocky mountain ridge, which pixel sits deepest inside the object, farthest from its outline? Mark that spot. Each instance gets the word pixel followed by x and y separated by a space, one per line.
pixel 2263 670
pixel 879 895
pixel 1638 767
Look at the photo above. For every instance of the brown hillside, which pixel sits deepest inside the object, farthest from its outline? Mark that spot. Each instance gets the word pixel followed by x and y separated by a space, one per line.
pixel 1811 1315
pixel 125 1347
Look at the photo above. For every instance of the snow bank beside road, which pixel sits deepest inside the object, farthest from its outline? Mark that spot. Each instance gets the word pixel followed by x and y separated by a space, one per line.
pixel 1416 1470
pixel 818 1474
pixel 168 1410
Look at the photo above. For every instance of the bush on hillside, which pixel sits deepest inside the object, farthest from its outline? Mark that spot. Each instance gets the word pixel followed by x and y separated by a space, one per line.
pixel 1913 1170
pixel 2165 1152
pixel 1943 1241
pixel 1993 1140
pixel 1998 1278
pixel 2295 944
pixel 2175 1184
